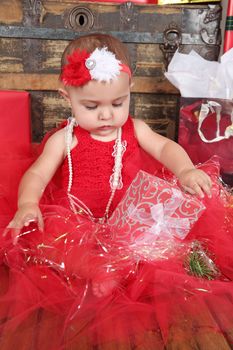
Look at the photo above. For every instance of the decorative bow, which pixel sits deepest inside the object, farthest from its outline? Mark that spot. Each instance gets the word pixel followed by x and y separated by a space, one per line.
pixel 159 222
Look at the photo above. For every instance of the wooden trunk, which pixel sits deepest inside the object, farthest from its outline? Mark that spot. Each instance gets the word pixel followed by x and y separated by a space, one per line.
pixel 33 34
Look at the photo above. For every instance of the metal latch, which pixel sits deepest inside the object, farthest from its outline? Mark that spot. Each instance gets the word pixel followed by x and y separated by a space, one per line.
pixel 172 39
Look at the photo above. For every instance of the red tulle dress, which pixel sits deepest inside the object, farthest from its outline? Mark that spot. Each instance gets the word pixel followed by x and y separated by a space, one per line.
pixel 157 275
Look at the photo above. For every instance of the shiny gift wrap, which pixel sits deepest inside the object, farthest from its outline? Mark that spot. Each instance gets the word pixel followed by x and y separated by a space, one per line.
pixel 154 217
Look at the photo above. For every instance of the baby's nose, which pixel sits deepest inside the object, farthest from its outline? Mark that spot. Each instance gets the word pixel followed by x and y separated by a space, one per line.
pixel 105 114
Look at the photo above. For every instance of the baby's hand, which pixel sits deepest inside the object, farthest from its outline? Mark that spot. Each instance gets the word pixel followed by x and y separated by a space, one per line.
pixel 195 181
pixel 27 213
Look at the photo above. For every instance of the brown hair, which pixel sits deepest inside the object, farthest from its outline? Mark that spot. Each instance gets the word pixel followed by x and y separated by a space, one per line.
pixel 90 42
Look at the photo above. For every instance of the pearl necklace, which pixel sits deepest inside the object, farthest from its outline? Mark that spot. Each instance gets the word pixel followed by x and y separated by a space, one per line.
pixel 115 181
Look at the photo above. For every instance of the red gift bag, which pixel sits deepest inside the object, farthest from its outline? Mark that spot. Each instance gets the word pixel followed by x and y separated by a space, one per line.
pixel 206 129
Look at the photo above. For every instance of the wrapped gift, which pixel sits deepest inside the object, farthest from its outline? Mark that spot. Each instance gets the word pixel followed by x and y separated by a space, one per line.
pixel 15 119
pixel 15 138
pixel 154 214
pixel 228 38
pixel 172 2
pixel 134 1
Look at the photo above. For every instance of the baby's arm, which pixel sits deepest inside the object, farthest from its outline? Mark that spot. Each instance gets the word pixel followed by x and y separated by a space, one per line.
pixel 174 157
pixel 34 182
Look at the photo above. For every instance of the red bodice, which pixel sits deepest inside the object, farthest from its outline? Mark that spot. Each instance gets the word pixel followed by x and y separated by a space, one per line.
pixel 93 163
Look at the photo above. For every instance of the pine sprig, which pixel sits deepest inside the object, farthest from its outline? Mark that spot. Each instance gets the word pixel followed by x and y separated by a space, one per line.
pixel 199 264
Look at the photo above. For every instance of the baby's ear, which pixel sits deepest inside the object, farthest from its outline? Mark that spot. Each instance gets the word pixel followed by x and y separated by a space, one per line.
pixel 64 94
pixel 131 84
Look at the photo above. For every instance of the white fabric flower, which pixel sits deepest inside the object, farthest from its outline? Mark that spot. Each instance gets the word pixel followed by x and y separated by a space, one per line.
pixel 103 65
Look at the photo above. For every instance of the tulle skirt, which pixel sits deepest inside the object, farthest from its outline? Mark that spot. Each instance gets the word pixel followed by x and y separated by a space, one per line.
pixel 77 286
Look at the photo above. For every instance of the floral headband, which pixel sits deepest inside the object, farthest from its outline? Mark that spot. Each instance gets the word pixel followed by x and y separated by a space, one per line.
pixel 101 65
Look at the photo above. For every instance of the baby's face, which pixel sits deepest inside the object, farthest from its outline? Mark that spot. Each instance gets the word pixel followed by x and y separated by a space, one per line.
pixel 100 107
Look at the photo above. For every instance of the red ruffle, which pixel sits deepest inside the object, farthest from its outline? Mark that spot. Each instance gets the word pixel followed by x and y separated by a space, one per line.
pixel 48 299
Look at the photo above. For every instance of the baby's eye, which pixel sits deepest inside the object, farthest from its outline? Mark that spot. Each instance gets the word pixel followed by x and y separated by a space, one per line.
pixel 90 107
pixel 117 104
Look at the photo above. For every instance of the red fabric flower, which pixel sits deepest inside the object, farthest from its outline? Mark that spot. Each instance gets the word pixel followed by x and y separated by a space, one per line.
pixel 75 73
